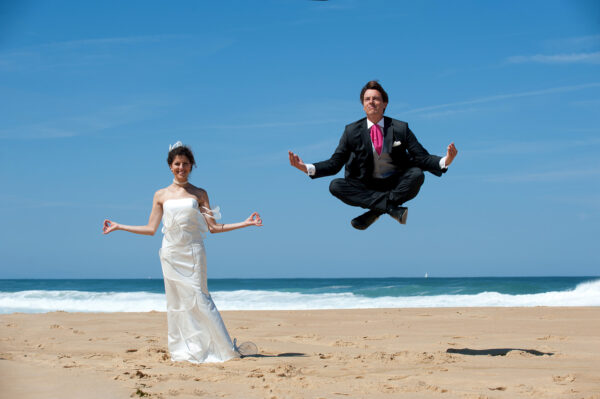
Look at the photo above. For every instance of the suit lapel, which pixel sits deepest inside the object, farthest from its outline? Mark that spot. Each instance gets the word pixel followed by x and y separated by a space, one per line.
pixel 366 138
pixel 388 134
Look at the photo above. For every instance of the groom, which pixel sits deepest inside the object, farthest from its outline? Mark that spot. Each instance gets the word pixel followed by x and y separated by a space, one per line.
pixel 384 162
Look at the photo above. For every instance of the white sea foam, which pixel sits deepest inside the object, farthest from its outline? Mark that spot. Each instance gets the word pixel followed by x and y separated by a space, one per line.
pixel 585 294
pixel 80 301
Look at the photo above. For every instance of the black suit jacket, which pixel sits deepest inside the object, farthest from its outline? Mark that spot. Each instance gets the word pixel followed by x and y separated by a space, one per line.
pixel 356 151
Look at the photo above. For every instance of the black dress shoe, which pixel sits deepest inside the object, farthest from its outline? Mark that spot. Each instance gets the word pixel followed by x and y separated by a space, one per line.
pixel 399 213
pixel 365 220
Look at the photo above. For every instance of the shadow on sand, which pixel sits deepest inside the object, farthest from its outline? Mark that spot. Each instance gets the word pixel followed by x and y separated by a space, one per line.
pixel 495 351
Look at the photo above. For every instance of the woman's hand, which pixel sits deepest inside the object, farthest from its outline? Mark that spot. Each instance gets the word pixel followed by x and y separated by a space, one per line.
pixel 109 226
pixel 254 220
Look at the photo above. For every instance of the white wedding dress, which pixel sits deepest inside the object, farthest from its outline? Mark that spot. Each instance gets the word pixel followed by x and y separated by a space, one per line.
pixel 196 331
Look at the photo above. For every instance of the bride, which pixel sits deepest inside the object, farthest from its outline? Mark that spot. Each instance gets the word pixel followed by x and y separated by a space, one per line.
pixel 196 331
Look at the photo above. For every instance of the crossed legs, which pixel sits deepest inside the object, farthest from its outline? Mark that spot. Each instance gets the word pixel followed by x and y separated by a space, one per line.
pixel 379 196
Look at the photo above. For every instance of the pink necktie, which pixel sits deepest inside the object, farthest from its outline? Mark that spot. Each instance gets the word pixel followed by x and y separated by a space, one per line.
pixel 377 138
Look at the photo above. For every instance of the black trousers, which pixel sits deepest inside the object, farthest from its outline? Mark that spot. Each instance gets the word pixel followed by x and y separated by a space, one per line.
pixel 379 194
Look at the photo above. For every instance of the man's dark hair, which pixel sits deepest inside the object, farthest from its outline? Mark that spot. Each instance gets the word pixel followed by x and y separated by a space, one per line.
pixel 374 85
pixel 182 150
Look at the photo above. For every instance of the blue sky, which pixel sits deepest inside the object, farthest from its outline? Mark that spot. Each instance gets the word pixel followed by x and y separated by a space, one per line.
pixel 93 94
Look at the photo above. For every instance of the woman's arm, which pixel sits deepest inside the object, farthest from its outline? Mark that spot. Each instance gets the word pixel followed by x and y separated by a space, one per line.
pixel 149 229
pixel 214 227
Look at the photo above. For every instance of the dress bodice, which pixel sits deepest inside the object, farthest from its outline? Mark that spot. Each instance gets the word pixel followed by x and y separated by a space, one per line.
pixel 183 221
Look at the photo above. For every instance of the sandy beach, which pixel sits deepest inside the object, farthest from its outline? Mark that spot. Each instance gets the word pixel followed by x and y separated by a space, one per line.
pixel 473 353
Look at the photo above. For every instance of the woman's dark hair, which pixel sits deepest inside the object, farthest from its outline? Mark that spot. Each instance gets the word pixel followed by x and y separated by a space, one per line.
pixel 373 85
pixel 182 150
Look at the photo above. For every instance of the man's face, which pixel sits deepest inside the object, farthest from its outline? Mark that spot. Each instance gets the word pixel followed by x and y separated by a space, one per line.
pixel 373 105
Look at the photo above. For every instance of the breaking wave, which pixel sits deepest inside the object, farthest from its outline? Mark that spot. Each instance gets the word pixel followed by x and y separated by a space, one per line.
pixel 40 301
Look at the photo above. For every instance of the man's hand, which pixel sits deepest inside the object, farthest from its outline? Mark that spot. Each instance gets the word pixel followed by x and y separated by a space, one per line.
pixel 451 154
pixel 296 162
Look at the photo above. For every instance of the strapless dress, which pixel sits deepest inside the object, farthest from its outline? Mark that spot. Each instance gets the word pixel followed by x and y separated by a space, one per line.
pixel 197 333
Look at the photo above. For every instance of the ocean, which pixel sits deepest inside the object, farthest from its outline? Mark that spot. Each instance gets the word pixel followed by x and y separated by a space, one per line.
pixel 144 295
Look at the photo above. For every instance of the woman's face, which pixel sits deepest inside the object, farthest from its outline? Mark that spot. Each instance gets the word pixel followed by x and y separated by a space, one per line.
pixel 181 167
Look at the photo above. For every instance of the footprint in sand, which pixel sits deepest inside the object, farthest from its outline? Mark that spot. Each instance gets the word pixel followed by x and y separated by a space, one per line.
pixel 256 373
pixel 92 355
pixel 343 344
pixel 562 380
pixel 306 336
pixel 551 338
pixel 398 377
pixel 99 339
pixel 425 357
pixel 287 370
pixel 139 374
pixel 384 356
pixel 141 393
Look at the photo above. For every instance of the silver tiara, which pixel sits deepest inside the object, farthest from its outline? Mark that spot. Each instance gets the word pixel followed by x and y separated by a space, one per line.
pixel 177 144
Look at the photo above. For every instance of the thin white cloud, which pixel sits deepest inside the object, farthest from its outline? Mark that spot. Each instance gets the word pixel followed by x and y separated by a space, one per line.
pixel 347 5
pixel 272 124
pixel 500 97
pixel 587 103
pixel 280 157
pixel 114 40
pixel 448 112
pixel 571 58
pixel 579 43
pixel 40 50
pixel 587 205
pixel 78 53
pixel 106 118
pixel 15 202
pixel 540 177
pixel 70 205
pixel 591 200
pixel 531 147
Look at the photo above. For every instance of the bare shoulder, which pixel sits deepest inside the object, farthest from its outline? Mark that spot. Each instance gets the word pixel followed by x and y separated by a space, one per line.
pixel 197 191
pixel 159 195
pixel 201 195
